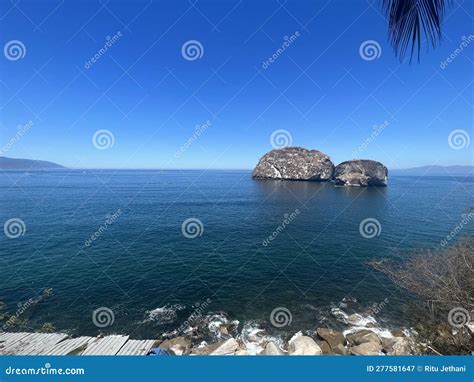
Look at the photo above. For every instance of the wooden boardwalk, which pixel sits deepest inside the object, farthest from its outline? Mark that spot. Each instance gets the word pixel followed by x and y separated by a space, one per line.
pixel 61 344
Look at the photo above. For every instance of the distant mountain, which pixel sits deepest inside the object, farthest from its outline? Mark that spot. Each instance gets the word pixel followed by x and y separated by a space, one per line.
pixel 27 164
pixel 436 171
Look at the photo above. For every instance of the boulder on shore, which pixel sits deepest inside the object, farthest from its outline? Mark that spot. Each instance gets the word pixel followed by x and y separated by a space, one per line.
pixel 304 345
pixel 332 337
pixel 271 349
pixel 229 346
pixel 362 336
pixel 367 348
pixel 177 346
pixel 294 163
pixel 360 173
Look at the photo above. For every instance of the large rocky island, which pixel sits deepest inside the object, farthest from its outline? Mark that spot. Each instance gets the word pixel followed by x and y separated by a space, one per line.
pixel 294 163
pixel 298 163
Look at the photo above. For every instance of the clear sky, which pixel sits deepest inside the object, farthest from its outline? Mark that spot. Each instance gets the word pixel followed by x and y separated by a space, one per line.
pixel 151 96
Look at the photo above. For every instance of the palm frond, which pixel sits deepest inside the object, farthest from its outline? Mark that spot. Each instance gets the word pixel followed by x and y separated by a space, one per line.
pixel 408 20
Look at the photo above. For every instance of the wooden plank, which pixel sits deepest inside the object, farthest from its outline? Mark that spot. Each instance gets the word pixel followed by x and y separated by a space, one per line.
pixel 9 337
pixel 42 343
pixel 14 342
pixel 109 345
pixel 33 343
pixel 71 346
pixel 136 347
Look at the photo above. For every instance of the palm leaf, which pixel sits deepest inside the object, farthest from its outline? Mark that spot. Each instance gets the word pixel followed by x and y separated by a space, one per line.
pixel 409 19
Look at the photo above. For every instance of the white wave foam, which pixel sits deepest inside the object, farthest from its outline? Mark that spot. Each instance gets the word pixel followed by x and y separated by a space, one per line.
pixel 254 338
pixel 164 314
pixel 359 322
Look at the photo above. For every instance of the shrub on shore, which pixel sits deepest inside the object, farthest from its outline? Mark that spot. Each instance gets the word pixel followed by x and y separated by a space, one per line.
pixel 445 280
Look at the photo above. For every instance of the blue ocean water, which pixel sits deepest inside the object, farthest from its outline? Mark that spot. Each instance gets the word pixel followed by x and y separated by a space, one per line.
pixel 140 260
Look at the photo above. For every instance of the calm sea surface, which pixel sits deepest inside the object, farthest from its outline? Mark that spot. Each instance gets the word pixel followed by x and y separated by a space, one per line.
pixel 140 260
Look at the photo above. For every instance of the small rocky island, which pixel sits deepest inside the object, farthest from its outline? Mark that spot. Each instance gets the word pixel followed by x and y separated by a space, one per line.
pixel 298 163
pixel 361 172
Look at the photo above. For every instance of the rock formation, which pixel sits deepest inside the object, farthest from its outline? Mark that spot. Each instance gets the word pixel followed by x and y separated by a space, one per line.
pixel 362 172
pixel 294 163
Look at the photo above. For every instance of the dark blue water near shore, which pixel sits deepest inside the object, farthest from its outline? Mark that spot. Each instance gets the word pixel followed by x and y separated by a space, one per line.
pixel 142 260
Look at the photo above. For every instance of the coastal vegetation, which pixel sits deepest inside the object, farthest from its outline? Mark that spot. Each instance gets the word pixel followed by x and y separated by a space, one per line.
pixel 443 280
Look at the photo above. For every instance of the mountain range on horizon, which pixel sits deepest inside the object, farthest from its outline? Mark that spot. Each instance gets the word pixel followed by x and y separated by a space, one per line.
pixel 20 164
pixel 27 164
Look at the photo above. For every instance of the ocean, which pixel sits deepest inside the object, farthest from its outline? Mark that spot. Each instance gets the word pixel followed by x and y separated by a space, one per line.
pixel 156 249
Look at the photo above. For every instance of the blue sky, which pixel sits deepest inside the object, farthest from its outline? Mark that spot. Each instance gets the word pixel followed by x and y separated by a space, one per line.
pixel 151 98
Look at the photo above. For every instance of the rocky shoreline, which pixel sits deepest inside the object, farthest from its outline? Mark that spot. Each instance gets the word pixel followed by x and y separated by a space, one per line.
pixel 361 336
pixel 324 342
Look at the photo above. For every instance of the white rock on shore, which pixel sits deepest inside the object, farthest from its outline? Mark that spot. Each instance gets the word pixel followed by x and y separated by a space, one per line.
pixel 229 346
pixel 303 345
